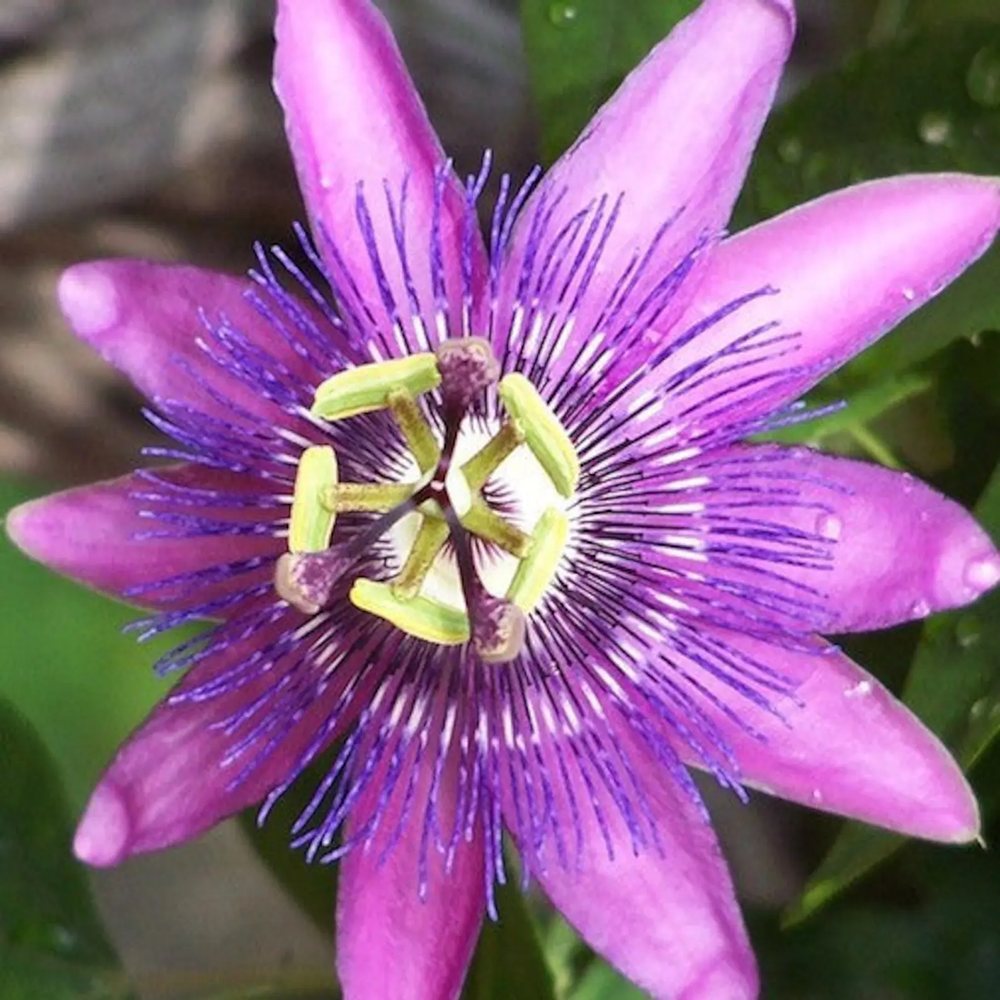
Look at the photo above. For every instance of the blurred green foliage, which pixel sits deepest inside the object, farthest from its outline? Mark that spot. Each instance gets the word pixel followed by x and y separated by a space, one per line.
pixel 509 961
pixel 51 942
pixel 312 886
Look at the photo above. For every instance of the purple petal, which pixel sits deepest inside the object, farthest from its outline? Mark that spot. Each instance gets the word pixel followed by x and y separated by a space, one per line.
pixel 391 943
pixel 667 917
pixel 846 269
pixel 170 781
pixel 353 118
pixel 674 142
pixel 847 545
pixel 843 744
pixel 146 320
pixel 93 534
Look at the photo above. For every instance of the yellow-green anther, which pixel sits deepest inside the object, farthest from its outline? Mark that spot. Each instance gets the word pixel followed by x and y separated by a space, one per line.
pixel 486 523
pixel 311 521
pixel 543 432
pixel 427 546
pixel 492 455
pixel 354 498
pixel 536 571
pixel 415 429
pixel 429 620
pixel 367 387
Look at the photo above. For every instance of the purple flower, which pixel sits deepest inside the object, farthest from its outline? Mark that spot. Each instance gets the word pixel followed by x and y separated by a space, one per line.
pixel 474 518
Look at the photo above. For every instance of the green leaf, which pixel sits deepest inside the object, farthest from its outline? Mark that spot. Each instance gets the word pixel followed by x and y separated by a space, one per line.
pixel 52 944
pixel 580 50
pixel 936 12
pixel 67 666
pixel 312 886
pixel 601 982
pixel 861 408
pixel 954 686
pixel 509 961
pixel 917 105
pixel 939 942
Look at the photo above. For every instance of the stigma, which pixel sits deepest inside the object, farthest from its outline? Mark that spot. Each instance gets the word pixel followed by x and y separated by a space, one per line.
pixel 438 592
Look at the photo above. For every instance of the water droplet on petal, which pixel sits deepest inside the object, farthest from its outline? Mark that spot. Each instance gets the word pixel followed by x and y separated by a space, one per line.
pixel 983 78
pixel 935 128
pixel 983 573
pixel 829 526
pixel 860 690
pixel 920 609
pixel 968 631
pixel 816 796
pixel 790 149
pixel 561 14
pixel 909 294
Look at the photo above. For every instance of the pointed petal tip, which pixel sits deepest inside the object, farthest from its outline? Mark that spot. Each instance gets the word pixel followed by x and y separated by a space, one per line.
pixel 982 573
pixel 960 821
pixel 89 299
pixel 786 8
pixel 26 527
pixel 104 834
pixel 15 521
pixel 969 566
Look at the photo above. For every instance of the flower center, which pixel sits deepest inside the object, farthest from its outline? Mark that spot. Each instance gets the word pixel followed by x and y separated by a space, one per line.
pixel 436 595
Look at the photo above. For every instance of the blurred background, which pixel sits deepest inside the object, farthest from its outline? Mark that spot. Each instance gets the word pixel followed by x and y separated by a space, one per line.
pixel 148 129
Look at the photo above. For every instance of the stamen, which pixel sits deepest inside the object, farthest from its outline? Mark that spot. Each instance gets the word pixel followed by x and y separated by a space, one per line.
pixel 544 434
pixel 538 568
pixel 311 523
pixel 415 429
pixel 367 387
pixel 427 546
pixel 492 455
pixel 481 520
pixel 357 498
pixel 422 617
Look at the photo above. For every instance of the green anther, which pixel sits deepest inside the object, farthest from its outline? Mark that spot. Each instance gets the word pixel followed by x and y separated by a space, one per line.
pixel 543 432
pixel 535 572
pixel 415 429
pixel 485 523
pixel 367 387
pixel 311 521
pixel 355 498
pixel 492 455
pixel 429 620
pixel 427 546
